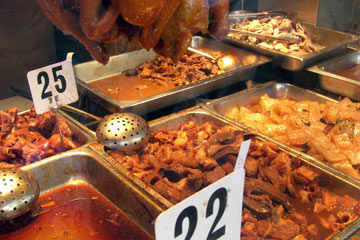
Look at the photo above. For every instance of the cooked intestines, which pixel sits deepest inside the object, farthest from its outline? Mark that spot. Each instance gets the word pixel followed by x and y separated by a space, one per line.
pixel 282 197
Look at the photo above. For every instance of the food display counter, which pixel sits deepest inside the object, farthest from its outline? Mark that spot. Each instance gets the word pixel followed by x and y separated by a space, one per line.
pixel 251 83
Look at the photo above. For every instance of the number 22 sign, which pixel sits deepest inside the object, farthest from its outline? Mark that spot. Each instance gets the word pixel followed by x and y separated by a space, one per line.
pixel 54 80
pixel 212 213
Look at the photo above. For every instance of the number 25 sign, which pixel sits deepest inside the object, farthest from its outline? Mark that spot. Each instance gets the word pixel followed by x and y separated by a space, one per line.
pixel 54 80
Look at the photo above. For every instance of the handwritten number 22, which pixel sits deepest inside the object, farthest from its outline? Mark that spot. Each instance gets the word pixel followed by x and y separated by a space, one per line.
pixel 191 213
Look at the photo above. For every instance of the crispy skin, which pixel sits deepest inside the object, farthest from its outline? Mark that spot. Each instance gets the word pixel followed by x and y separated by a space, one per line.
pixel 329 132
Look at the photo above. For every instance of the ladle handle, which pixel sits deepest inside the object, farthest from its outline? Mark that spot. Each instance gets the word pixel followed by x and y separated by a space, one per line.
pixel 78 111
pixel 193 50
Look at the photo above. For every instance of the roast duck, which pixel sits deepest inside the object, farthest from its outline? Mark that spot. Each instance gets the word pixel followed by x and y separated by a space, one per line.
pixel 165 25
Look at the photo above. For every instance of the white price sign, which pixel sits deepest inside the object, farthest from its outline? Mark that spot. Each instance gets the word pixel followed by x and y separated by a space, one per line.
pixel 212 213
pixel 53 81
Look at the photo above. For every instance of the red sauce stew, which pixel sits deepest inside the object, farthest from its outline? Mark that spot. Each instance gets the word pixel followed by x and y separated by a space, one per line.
pixel 77 212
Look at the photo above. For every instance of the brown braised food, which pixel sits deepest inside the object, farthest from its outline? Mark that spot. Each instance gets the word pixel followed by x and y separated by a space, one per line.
pixel 330 132
pixel 282 197
pixel 27 138
pixel 159 75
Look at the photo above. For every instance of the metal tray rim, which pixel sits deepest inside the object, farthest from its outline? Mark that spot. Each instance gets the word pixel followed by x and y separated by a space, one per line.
pixel 318 69
pixel 344 234
pixel 301 59
pixel 207 102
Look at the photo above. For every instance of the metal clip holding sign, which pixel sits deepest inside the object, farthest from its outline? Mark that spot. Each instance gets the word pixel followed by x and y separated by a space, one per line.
pixel 54 106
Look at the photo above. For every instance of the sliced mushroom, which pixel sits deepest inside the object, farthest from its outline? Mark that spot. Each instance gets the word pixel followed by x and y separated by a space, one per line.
pixel 259 208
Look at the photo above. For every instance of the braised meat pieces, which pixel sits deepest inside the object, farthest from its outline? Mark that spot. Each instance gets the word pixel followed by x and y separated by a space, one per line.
pixel 191 68
pixel 282 197
pixel 329 132
pixel 160 75
pixel 275 26
pixel 30 137
pixel 178 163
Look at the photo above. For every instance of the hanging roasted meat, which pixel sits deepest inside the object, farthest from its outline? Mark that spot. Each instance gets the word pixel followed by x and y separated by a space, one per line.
pixel 165 25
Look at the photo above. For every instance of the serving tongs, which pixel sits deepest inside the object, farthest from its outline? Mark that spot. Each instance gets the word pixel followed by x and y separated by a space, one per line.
pixel 282 38
pixel 242 14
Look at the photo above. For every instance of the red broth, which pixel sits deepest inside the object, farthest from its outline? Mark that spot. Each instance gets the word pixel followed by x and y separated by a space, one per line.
pixel 77 212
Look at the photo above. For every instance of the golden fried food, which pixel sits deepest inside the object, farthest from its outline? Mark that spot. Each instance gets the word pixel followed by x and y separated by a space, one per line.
pixel 329 132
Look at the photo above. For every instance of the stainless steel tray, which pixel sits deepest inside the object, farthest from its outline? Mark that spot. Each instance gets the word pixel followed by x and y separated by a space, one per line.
pixel 171 122
pixel 328 177
pixel 87 72
pixel 333 43
pixel 330 81
pixel 221 106
pixel 85 165
pixel 251 96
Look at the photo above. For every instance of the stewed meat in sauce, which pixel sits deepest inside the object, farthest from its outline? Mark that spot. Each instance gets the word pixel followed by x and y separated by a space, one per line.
pixel 282 199
pixel 159 75
pixel 27 138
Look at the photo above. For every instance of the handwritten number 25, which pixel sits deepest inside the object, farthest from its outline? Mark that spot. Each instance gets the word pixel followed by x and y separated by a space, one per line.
pixel 191 213
pixel 59 86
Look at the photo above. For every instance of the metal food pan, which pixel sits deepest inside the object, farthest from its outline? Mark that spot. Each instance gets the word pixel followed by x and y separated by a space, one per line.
pixel 86 166
pixel 327 176
pixel 332 43
pixel 251 96
pixel 170 122
pixel 91 71
pixel 332 82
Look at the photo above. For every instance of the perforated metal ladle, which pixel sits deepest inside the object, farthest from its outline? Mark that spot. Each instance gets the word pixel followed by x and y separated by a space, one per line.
pixel 122 131
pixel 18 193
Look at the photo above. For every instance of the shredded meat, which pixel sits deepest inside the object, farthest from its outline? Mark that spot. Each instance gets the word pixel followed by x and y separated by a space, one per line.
pixel 275 26
pixel 304 125
pixel 191 68
pixel 27 138
pixel 281 194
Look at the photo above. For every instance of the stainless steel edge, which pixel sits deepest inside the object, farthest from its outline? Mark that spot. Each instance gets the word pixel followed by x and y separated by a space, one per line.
pixel 162 202
pixel 19 102
pixel 332 82
pixel 142 106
